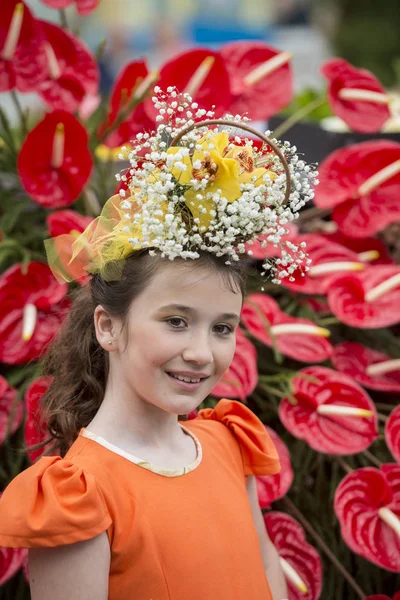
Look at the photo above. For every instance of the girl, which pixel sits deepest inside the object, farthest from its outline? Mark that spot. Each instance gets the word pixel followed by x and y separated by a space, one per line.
pixel 139 505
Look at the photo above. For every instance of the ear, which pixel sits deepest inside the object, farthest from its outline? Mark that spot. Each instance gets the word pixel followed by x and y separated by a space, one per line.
pixel 106 327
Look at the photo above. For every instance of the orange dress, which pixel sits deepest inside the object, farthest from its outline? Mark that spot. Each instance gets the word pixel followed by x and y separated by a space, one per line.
pixel 174 535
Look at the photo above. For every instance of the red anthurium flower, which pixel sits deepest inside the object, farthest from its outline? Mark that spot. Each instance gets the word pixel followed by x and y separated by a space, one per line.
pixel 392 433
pixel 356 96
pixel 300 339
pixel 257 251
pixel 7 397
pixel 23 62
pixel 256 71
pixel 327 259
pixel 372 369
pixel 134 80
pixel 273 487
pixel 66 221
pixel 367 504
pixel 241 378
pixel 32 308
pixel 35 430
pixel 55 162
pixel 84 7
pixel 11 560
pixel 202 74
pixel 329 411
pixel 369 250
pixel 72 70
pixel 367 300
pixel 300 562
pixel 383 597
pixel 362 183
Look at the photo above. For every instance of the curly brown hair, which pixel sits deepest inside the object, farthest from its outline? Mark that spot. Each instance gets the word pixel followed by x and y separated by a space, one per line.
pixel 76 363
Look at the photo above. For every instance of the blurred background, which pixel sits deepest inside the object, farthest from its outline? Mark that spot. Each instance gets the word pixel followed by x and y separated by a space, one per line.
pixel 364 32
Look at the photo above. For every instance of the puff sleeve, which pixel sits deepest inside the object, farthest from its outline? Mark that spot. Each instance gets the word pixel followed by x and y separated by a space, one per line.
pixel 258 452
pixel 51 503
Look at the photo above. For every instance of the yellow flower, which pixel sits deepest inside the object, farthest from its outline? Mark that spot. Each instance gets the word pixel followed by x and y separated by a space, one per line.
pixel 225 168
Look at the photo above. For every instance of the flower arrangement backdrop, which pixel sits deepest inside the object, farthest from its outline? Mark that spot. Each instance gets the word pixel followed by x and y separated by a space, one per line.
pixel 317 358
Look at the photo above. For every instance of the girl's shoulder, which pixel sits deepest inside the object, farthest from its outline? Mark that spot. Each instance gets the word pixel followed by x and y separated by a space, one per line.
pixel 236 423
pixel 55 501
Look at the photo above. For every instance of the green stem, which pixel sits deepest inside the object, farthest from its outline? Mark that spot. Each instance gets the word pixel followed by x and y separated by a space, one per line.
pixel 372 458
pixel 381 406
pixel 63 18
pixel 272 390
pixel 382 417
pixel 345 466
pixel 327 551
pixel 22 116
pixel 298 116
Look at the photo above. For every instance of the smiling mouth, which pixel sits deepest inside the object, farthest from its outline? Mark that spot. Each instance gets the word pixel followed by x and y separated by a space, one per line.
pixel 188 380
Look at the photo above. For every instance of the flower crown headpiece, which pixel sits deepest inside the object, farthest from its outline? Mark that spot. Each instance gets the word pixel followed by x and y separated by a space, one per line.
pixel 193 188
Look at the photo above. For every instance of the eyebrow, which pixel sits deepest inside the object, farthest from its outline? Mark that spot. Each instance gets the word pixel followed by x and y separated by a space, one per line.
pixel 189 310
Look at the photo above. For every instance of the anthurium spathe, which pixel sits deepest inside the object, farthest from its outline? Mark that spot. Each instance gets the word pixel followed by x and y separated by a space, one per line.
pixel 392 433
pixel 367 300
pixel 367 504
pixel 356 96
pixel 55 163
pixel 273 487
pixel 225 166
pixel 257 70
pixel 372 369
pixel 11 560
pixel 84 7
pixel 201 73
pixel 300 562
pixel 241 379
pixel 361 183
pixel 32 308
pixel 66 221
pixel 132 83
pixel 23 61
pixel 72 70
pixel 329 411
pixel 8 406
pixel 35 430
pixel 298 338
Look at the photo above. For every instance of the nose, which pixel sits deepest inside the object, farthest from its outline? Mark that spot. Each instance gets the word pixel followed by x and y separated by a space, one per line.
pixel 198 349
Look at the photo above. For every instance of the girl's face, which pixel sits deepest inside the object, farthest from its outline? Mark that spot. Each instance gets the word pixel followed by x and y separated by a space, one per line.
pixel 183 322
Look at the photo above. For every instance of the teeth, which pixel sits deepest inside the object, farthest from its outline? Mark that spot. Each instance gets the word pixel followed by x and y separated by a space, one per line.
pixel 187 379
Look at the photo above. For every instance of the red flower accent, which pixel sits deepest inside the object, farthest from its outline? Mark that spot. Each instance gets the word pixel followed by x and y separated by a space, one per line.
pixel 383 597
pixel 55 162
pixel 354 360
pixel 273 487
pixel 66 221
pixel 392 433
pixel 367 114
pixel 264 320
pixel 7 397
pixel 11 560
pixel 200 72
pixel 256 71
pixel 84 7
pixel 367 504
pixel 23 61
pixel 289 539
pixel 241 378
pixel 270 251
pixel 362 183
pixel 319 393
pixel 328 259
pixel 36 296
pixel 73 72
pixel 369 249
pixel 35 430
pixel 356 299
pixel 125 86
